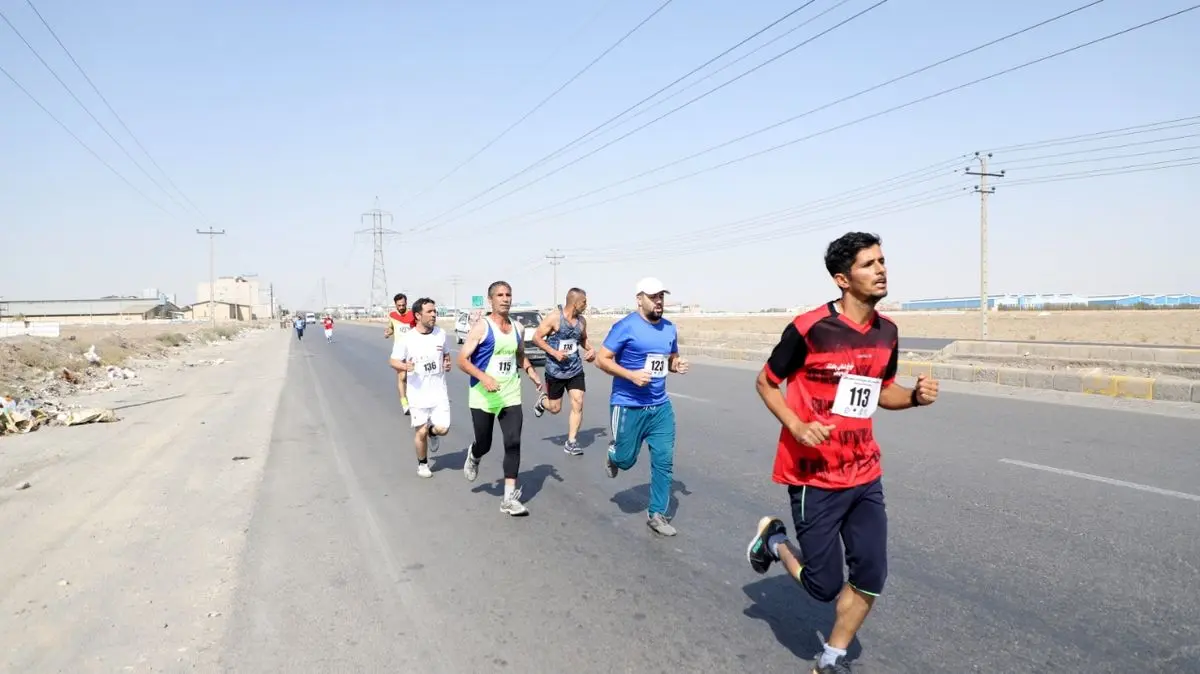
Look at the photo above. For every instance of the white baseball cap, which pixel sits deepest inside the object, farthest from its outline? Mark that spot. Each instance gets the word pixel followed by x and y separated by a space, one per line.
pixel 651 286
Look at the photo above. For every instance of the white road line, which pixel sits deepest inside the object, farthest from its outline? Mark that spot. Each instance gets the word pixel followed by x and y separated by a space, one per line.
pixel 688 397
pixel 1105 480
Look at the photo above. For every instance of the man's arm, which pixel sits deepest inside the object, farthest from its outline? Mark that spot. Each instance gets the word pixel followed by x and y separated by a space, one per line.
pixel 606 358
pixel 474 336
pixel 675 362
pixel 893 396
pixel 786 359
pixel 548 325
pixel 525 364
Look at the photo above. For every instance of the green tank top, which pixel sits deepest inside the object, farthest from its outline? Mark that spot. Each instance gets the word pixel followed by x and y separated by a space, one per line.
pixel 496 355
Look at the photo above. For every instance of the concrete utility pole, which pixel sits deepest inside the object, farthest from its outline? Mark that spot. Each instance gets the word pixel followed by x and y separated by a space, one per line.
pixel 212 275
pixel 379 289
pixel 272 286
pixel 555 258
pixel 324 296
pixel 454 281
pixel 983 190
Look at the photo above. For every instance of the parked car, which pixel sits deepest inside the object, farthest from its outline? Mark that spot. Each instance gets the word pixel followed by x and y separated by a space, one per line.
pixel 527 321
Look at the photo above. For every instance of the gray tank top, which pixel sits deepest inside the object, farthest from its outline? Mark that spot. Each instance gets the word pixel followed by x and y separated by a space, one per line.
pixel 566 338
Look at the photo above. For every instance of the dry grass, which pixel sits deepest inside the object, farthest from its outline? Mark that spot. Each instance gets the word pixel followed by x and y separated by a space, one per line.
pixel 1166 327
pixel 28 362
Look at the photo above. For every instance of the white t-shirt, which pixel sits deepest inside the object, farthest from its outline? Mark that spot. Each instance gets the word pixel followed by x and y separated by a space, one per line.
pixel 427 381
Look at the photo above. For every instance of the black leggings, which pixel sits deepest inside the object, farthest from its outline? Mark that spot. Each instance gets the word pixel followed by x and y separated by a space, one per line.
pixel 511 419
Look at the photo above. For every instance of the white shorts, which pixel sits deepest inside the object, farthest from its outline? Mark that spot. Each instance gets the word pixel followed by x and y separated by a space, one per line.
pixel 440 415
pixel 328 332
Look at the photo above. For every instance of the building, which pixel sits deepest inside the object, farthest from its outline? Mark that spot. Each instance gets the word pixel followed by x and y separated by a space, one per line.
pixel 102 310
pixel 226 312
pixel 1034 301
pixel 238 291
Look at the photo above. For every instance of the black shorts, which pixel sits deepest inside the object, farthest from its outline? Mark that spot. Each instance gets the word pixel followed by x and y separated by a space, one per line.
pixel 555 386
pixel 857 516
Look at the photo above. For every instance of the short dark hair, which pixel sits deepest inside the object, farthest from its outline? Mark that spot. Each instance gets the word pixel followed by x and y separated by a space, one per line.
pixel 842 251
pixel 497 284
pixel 419 305
pixel 399 296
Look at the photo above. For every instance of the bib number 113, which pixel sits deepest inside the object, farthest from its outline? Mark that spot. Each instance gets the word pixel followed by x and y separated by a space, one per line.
pixel 857 397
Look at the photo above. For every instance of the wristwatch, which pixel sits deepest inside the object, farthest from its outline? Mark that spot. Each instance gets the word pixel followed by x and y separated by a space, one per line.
pixel 915 401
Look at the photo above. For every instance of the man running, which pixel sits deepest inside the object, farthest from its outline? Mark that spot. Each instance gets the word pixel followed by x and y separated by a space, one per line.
pixel 638 352
pixel 423 354
pixel 400 322
pixel 839 363
pixel 490 355
pixel 328 323
pixel 299 325
pixel 561 335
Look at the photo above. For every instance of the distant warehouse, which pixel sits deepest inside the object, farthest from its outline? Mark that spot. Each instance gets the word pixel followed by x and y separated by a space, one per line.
pixel 1057 301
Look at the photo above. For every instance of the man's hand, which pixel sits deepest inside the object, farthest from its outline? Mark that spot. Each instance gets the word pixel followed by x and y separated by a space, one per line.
pixel 681 365
pixel 811 434
pixel 926 389
pixel 408 365
pixel 589 354
pixel 640 377
pixel 560 356
pixel 489 384
pixel 389 331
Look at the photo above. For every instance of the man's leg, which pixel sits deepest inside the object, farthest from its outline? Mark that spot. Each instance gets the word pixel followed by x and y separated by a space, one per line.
pixel 625 424
pixel 511 421
pixel 660 437
pixel 551 400
pixel 438 425
pixel 816 562
pixel 576 386
pixel 402 386
pixel 864 533
pixel 420 421
pixel 482 421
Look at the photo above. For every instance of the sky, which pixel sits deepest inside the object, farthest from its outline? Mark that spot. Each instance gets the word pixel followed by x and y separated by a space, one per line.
pixel 283 123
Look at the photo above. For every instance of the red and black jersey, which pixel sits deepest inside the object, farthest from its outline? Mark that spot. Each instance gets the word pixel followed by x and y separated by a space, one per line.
pixel 816 349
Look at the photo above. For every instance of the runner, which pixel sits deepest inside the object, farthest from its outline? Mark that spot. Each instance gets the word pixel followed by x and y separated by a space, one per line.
pixel 328 323
pixel 299 325
pixel 561 335
pixel 489 355
pixel 401 321
pixel 839 363
pixel 424 352
pixel 638 352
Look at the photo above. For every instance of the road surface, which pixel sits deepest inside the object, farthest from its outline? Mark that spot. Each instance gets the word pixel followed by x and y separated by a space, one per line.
pixel 354 561
pixel 322 550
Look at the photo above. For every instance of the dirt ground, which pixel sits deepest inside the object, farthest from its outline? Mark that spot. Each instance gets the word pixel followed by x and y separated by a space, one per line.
pixel 1163 327
pixel 30 365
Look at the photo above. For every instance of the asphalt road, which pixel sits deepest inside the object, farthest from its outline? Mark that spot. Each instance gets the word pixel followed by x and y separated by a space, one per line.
pixel 354 563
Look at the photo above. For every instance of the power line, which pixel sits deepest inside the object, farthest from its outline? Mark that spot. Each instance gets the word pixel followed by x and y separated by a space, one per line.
pixel 1071 153
pixel 544 101
pixel 1092 160
pixel 881 113
pixel 670 112
pixel 212 235
pixel 83 144
pixel 88 110
pixel 108 105
pixel 1104 135
pixel 1180 162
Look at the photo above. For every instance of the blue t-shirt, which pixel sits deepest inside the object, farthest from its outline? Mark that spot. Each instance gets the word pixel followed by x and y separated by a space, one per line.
pixel 641 345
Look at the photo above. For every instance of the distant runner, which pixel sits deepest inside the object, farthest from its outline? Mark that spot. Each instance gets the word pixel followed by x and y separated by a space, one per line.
pixel 839 363
pixel 424 354
pixel 638 352
pixel 328 323
pixel 401 321
pixel 299 325
pixel 490 355
pixel 561 335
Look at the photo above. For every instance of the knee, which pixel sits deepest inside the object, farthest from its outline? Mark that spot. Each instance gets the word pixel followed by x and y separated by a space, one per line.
pixel 554 406
pixel 822 583
pixel 869 576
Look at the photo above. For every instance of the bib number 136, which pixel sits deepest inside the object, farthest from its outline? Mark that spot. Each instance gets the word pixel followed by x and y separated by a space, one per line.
pixel 857 397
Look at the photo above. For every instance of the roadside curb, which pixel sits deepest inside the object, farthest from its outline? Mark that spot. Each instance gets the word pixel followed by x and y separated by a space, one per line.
pixel 1113 386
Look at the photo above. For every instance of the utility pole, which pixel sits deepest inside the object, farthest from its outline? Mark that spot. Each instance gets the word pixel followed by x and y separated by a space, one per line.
pixel 555 257
pixel 324 296
pixel 454 281
pixel 983 190
pixel 272 286
pixel 379 287
pixel 212 275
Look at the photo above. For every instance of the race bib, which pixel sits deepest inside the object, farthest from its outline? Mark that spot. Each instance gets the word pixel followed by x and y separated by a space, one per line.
pixel 403 327
pixel 568 346
pixel 857 397
pixel 428 366
pixel 505 365
pixel 656 365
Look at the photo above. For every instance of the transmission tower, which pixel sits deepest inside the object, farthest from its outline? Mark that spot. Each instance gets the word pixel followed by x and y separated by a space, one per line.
pixel 379 286
pixel 555 256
